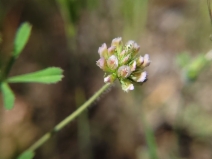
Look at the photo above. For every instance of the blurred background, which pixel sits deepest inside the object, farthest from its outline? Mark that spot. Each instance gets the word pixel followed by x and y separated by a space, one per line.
pixel 169 117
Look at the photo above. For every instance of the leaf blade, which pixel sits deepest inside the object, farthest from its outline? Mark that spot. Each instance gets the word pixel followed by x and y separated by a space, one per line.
pixel 21 38
pixel 27 155
pixel 8 96
pixel 46 76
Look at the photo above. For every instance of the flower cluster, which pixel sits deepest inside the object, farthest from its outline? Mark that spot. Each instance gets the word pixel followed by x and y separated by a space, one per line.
pixel 122 62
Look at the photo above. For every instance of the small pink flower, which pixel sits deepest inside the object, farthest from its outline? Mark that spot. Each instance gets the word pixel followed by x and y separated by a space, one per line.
pixel 112 62
pixel 103 51
pixel 136 47
pixel 139 61
pixel 124 71
pixel 140 77
pixel 146 60
pixel 109 79
pixel 102 63
pixel 127 86
pixel 116 42
pixel 111 50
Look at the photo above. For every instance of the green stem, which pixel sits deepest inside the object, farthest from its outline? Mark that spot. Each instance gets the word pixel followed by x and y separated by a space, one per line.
pixel 68 119
pixel 150 139
pixel 5 70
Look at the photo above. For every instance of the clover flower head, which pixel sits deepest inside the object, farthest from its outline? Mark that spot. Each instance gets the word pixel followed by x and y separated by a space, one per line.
pixel 122 62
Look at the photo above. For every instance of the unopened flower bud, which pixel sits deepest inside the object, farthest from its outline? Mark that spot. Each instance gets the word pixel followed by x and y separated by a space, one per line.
pixel 146 61
pixel 124 71
pixel 116 42
pixel 109 79
pixel 135 49
pixel 129 45
pixel 127 86
pixel 133 66
pixel 111 50
pixel 103 51
pixel 102 63
pixel 112 62
pixel 140 77
pixel 139 61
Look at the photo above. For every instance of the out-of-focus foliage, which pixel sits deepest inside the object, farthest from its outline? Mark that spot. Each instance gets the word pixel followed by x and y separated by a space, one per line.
pixel 183 59
pixel 71 10
pixel 135 15
pixel 192 67
pixel 150 139
pixel 197 121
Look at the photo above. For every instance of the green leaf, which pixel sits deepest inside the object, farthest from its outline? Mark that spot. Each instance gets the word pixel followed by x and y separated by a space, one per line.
pixel 47 76
pixel 8 96
pixel 21 38
pixel 27 155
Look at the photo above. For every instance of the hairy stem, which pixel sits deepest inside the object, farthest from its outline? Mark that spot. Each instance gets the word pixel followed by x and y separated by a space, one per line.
pixel 68 119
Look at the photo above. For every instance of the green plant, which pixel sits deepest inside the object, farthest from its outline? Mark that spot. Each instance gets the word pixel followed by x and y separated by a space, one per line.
pixel 192 67
pixel 46 76
pixel 122 62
